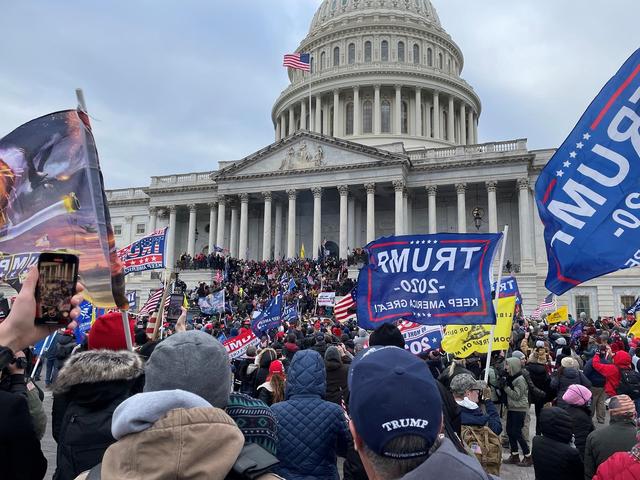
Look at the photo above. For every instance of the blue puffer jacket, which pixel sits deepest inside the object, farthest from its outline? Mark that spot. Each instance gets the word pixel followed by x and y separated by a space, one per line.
pixel 477 417
pixel 311 431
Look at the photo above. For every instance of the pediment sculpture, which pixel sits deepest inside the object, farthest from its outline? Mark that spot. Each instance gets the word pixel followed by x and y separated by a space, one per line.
pixel 301 158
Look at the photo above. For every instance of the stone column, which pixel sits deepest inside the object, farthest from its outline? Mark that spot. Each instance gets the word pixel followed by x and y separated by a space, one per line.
pixel 357 221
pixel 292 121
pixel 303 115
pixel 470 139
pixel 371 211
pixel 277 245
pixel 492 185
pixel 171 244
pixel 461 189
pixel 291 225
pixel 266 236
pixel 418 123
pixel 397 123
pixel 222 206
pixel 427 120
pixel 436 114
pixel 317 220
pixel 351 219
pixel 344 193
pixel 431 199
pixel 233 241
pixel 405 211
pixel 336 113
pixel 451 115
pixel 357 130
pixel 244 226
pixel 213 223
pixel 153 218
pixel 526 253
pixel 129 221
pixel 283 126
pixel 191 238
pixel 475 128
pixel 277 129
pixel 376 109
pixel 398 186
pixel 463 124
pixel 317 127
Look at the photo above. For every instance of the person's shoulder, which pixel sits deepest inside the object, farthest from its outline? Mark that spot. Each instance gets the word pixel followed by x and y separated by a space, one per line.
pixel 447 459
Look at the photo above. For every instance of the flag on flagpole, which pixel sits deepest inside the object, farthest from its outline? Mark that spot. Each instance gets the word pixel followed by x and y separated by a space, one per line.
pixel 549 304
pixel 144 254
pixel 298 61
pixel 152 303
pixel 344 309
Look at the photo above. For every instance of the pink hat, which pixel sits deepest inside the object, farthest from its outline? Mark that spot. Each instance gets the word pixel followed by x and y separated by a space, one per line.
pixel 577 395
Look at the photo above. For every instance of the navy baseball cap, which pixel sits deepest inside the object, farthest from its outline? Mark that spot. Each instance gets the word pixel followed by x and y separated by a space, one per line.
pixel 393 394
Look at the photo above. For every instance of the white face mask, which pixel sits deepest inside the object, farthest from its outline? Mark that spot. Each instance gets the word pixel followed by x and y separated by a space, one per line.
pixel 471 405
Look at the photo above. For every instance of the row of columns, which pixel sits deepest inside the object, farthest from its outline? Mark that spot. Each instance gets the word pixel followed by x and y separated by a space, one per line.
pixel 468 136
pixel 240 219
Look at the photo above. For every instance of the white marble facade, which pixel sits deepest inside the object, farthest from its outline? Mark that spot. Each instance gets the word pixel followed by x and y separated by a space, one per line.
pixel 380 139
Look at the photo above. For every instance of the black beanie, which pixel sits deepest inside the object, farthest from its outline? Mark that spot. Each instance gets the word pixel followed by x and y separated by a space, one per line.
pixel 386 335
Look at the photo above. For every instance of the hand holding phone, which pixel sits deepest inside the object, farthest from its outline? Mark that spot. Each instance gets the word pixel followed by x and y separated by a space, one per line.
pixel 58 275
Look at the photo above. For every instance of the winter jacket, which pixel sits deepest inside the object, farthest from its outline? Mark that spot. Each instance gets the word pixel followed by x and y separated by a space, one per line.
pixel 289 350
pixel 539 376
pixel 265 393
pixel 553 456
pixel 620 466
pixel 618 436
pixel 611 373
pixel 563 379
pixel 477 417
pixel 516 387
pixel 446 460
pixel 596 378
pixel 337 389
pixel 87 391
pixel 582 426
pixel 244 373
pixel 311 431
pixel 320 347
pixel 266 358
pixel 65 346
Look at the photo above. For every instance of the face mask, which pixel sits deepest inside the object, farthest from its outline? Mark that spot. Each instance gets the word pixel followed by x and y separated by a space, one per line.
pixel 471 405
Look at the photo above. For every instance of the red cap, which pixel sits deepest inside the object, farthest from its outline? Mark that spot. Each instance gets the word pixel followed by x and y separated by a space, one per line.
pixel 275 367
pixel 107 332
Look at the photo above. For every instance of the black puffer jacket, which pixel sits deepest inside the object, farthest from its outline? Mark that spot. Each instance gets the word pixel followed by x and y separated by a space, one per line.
pixel 266 357
pixel 564 378
pixel 553 455
pixel 337 373
pixel 582 426
pixel 87 391
pixel 65 346
pixel 539 376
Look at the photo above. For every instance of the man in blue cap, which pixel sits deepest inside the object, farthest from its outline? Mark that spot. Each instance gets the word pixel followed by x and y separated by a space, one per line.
pixel 396 420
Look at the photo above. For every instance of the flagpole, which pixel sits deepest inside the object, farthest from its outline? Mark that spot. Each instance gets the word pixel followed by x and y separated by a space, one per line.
pixel 505 232
pixel 309 122
pixel 156 327
pixel 47 344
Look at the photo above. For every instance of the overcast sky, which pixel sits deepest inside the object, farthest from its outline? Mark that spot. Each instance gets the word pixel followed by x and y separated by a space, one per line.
pixel 175 87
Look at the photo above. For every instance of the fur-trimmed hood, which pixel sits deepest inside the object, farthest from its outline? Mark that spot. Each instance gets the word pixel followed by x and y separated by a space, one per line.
pixel 96 366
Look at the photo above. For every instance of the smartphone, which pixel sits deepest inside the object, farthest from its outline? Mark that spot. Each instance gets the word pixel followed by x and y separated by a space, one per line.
pixel 175 306
pixel 58 275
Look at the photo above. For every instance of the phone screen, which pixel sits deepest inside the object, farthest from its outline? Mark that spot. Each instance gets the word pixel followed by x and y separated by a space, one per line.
pixel 56 286
pixel 175 306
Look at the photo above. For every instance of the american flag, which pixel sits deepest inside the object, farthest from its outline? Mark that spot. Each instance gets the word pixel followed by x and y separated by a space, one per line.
pixel 153 302
pixel 144 254
pixel 342 309
pixel 298 61
pixel 549 304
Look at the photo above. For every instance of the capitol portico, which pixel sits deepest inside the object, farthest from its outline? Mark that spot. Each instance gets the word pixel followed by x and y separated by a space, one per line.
pixel 381 138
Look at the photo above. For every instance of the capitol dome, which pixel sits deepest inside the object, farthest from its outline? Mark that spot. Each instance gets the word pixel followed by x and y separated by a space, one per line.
pixel 382 72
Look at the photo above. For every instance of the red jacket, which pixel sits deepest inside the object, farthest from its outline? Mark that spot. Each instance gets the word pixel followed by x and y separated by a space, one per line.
pixel 619 466
pixel 611 372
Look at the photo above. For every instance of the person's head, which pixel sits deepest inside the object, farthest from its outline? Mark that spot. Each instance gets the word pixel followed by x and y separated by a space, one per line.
pixel 333 354
pixel 107 332
pixel 556 423
pixel 520 356
pixel 569 362
pixel 621 408
pixel 191 361
pixel 577 395
pixel 386 334
pixel 464 385
pixel 396 410
pixel 276 379
pixel 513 366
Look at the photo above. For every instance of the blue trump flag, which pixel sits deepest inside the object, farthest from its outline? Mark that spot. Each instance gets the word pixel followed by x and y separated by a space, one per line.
pixel 509 288
pixel 212 303
pixel 290 312
pixel 436 279
pixel 588 194
pixel 83 321
pixel 270 317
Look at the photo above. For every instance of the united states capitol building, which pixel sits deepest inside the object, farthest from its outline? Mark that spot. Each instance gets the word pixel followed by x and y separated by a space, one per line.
pixel 380 139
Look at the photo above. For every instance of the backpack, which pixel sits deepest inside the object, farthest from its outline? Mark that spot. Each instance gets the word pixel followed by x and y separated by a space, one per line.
pixel 485 445
pixel 629 384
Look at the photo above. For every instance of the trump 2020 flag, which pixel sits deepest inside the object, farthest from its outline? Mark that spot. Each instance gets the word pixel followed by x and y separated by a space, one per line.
pixel 52 198
pixel 436 279
pixel 270 317
pixel 144 254
pixel 588 194
pixel 212 303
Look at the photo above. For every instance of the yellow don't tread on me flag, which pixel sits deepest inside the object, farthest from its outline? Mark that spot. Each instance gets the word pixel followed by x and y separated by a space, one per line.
pixel 463 340
pixel 635 329
pixel 560 315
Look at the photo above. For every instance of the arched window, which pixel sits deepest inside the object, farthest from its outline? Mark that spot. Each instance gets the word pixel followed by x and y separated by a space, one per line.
pixel 349 119
pixel 449 65
pixel 385 114
pixel 440 61
pixel 311 66
pixel 416 53
pixel 384 51
pixel 367 117
pixel 401 51
pixel 367 51
pixel 322 61
pixel 336 56
pixel 405 117
pixel 351 53
pixel 429 57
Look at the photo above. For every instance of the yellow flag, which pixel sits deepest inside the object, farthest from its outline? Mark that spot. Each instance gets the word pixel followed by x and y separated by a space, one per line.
pixel 463 340
pixel 560 315
pixel 302 251
pixel 635 329
pixel 185 302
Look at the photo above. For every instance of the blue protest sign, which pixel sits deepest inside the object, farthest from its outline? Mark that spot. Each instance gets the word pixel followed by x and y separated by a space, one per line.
pixel 420 338
pixel 83 321
pixel 588 193
pixel 290 312
pixel 508 288
pixel 270 317
pixel 436 279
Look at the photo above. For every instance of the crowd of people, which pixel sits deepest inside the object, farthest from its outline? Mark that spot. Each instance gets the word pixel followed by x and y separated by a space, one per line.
pixel 313 391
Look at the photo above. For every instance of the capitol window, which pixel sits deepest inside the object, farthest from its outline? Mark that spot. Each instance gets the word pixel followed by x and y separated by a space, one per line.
pixel 367 117
pixel 349 120
pixel 384 51
pixel 117 229
pixel 385 116
pixel 429 57
pixel 440 61
pixel 336 56
pixel 405 117
pixel 416 53
pixel 367 51
pixel 401 51
pixel 311 66
pixel 140 228
pixel 322 55
pixel 352 53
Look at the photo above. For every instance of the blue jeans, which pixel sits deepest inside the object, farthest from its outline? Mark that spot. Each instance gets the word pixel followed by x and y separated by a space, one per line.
pixel 51 371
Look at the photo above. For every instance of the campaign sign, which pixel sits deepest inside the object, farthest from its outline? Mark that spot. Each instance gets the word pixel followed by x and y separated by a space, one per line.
pixel 270 317
pixel 144 254
pixel 428 279
pixel 237 346
pixel 420 338
pixel 326 299
pixel 588 194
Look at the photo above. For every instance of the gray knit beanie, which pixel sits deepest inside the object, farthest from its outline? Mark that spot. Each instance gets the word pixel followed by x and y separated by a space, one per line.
pixel 192 361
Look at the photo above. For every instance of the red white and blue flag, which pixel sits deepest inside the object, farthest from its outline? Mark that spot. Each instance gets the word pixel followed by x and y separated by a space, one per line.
pixel 144 254
pixel 298 61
